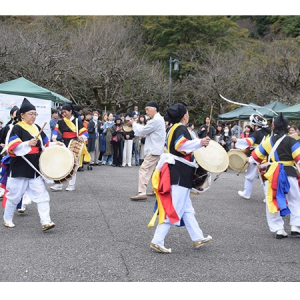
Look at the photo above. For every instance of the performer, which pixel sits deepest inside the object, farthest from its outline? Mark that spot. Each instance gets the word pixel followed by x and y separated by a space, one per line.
pixel 71 127
pixel 172 181
pixel 25 141
pixel 154 133
pixel 251 143
pixel 282 189
pixel 5 162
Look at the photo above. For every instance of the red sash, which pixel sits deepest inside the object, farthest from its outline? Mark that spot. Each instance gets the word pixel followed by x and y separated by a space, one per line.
pixel 69 135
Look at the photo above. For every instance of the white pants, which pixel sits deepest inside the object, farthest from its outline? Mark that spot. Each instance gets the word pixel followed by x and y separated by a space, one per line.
pixel 71 182
pixel 275 221
pixel 127 152
pixel 36 191
pixel 251 174
pixel 183 205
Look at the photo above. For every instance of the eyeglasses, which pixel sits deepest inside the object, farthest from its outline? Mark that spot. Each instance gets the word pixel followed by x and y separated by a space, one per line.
pixel 32 114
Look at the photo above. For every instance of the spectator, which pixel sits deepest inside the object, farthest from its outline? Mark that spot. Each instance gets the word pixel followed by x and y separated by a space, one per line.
pixel 135 111
pixel 117 129
pixel 247 132
pixel 225 138
pixel 298 130
pixel 102 138
pixel 128 135
pixel 94 130
pixel 53 123
pixel 190 127
pixel 219 132
pixel 207 130
pixel 108 155
pixel 87 117
pixel 292 130
pixel 236 130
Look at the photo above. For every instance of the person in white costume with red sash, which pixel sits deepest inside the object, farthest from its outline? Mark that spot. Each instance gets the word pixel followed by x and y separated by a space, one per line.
pixel 177 174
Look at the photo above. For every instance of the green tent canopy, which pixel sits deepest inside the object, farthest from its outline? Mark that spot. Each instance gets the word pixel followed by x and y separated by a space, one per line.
pixel 26 88
pixel 244 112
pixel 291 112
pixel 235 114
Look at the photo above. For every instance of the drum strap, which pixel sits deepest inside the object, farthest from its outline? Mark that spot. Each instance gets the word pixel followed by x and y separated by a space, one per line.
pixel 275 147
pixel 35 169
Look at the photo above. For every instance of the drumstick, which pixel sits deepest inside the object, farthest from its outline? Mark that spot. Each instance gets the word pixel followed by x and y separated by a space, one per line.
pixel 41 130
pixel 208 127
pixel 241 168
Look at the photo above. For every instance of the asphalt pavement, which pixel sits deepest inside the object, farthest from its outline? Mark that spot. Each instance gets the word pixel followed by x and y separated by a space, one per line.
pixel 102 236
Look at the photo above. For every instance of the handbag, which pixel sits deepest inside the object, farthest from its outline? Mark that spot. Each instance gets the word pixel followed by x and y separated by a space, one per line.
pixel 114 139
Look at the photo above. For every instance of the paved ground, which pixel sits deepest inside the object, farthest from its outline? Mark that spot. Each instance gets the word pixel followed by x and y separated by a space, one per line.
pixel 102 236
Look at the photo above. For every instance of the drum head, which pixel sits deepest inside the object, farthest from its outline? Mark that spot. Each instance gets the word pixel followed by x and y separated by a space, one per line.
pixel 127 128
pixel 237 159
pixel 56 162
pixel 213 158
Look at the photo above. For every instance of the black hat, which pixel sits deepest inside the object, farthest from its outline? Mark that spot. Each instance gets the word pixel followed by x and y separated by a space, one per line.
pixel 14 109
pixel 281 122
pixel 117 117
pixel 176 112
pixel 67 107
pixel 166 117
pixel 26 106
pixel 152 104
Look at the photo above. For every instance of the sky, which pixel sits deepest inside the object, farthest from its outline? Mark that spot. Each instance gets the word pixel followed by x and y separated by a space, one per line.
pixel 152 7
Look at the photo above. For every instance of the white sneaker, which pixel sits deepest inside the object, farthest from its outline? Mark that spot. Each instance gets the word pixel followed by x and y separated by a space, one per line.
pixel 280 234
pixel 1 193
pixel 160 249
pixel 48 226
pixel 242 194
pixel 22 209
pixel 198 244
pixel 264 200
pixel 56 187
pixel 70 188
pixel 295 230
pixel 9 224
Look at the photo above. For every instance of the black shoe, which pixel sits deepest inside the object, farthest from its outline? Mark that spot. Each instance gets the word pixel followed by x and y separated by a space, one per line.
pixel 114 165
pixel 80 169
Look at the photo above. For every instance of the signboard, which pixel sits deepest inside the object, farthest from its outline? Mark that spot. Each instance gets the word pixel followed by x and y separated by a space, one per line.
pixel 43 109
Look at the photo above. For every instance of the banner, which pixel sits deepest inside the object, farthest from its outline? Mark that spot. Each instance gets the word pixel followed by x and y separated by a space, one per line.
pixel 43 109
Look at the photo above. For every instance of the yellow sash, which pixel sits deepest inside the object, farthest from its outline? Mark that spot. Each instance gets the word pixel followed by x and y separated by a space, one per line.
pixel 269 176
pixel 160 212
pixel 70 124
pixel 170 135
pixel 32 129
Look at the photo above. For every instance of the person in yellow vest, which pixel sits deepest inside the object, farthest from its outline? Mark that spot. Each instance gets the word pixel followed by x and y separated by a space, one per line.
pixel 25 144
pixel 70 127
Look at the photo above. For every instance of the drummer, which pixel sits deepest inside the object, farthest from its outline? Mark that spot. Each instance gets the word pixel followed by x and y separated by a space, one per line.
pixel 26 141
pixel 254 139
pixel 71 127
pixel 282 188
pixel 177 177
